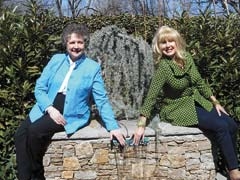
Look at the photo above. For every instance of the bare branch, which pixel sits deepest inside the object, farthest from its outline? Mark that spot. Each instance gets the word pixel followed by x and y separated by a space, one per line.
pixel 59 7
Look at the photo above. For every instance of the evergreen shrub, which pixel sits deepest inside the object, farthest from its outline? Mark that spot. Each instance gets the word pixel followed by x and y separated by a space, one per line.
pixel 28 41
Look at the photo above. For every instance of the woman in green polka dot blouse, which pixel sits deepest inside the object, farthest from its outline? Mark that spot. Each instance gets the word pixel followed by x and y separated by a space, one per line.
pixel 187 99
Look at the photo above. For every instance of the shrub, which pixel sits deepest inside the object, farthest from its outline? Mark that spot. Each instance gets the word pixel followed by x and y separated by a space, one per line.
pixel 29 40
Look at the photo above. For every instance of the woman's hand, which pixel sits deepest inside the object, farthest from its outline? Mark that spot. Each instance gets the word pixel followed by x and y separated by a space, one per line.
pixel 138 135
pixel 218 106
pixel 56 115
pixel 220 109
pixel 118 135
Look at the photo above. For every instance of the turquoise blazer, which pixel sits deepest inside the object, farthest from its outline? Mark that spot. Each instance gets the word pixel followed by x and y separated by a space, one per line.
pixel 85 80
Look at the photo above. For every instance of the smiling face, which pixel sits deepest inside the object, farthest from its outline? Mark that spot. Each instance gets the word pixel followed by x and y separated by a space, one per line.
pixel 168 48
pixel 169 43
pixel 75 46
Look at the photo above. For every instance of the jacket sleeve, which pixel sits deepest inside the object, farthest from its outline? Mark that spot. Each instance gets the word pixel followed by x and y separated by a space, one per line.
pixel 102 102
pixel 155 88
pixel 42 85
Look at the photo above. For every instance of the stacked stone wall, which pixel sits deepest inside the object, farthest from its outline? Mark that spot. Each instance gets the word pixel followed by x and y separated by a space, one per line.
pixel 173 153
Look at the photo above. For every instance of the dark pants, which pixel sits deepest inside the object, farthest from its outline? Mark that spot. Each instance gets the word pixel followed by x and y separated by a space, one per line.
pixel 224 129
pixel 31 142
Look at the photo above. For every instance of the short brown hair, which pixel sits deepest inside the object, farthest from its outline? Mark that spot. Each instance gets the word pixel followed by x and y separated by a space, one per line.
pixel 71 28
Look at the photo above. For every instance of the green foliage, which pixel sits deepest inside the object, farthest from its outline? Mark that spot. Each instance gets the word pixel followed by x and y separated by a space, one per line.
pixel 28 41
pixel 24 51
pixel 215 46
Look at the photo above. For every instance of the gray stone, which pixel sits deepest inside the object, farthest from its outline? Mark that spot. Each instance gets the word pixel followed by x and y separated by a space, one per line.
pixel 85 175
pixel 127 66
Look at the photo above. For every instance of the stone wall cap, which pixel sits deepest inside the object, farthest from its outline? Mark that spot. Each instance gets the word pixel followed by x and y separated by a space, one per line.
pixel 166 129
pixel 96 131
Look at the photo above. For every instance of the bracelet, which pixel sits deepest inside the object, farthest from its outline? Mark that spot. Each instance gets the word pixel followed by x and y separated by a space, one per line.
pixel 141 123
pixel 215 102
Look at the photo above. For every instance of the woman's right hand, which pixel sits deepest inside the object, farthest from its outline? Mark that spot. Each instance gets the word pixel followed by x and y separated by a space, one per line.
pixel 56 115
pixel 138 135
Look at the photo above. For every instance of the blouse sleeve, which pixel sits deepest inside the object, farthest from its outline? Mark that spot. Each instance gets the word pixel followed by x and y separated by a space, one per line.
pixel 155 88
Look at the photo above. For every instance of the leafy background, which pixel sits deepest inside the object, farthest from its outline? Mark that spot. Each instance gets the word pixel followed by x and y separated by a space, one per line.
pixel 28 41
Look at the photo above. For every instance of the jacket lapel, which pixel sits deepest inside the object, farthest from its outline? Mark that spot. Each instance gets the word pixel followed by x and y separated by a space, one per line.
pixel 178 72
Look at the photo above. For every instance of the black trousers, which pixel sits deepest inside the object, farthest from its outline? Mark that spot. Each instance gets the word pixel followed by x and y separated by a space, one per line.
pixel 224 129
pixel 31 142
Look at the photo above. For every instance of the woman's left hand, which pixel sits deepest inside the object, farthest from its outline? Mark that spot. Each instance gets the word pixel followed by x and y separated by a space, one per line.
pixel 220 109
pixel 118 135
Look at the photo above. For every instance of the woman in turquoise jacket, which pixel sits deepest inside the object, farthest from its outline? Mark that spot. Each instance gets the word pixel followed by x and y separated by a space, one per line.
pixel 187 99
pixel 62 95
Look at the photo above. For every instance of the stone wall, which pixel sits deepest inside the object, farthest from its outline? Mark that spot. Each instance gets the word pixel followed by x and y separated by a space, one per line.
pixel 173 153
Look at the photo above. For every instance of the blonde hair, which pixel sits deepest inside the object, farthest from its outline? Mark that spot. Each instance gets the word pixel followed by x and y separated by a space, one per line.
pixel 166 33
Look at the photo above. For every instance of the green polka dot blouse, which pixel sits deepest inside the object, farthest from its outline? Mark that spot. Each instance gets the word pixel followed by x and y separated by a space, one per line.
pixel 181 89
